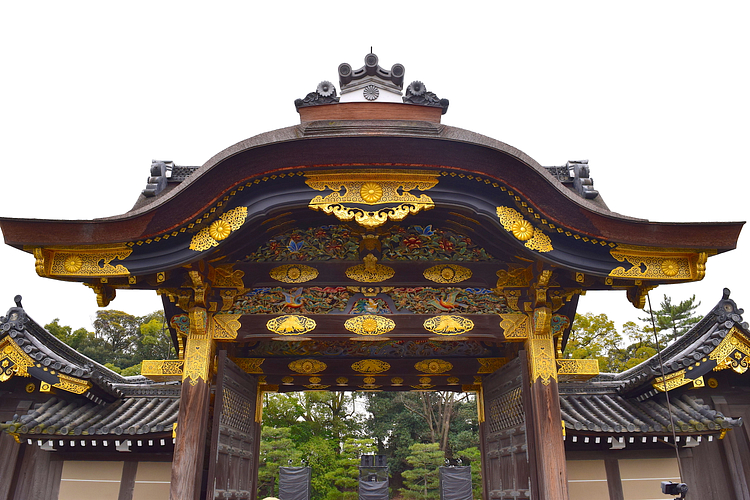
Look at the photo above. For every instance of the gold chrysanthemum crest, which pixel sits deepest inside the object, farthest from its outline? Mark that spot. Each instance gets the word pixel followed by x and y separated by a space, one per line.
pixel 369 324
pixel 523 230
pixel 446 324
pixel 447 273
pixel 294 273
pixel 307 366
pixel 291 324
pixel 219 230
pixel 434 366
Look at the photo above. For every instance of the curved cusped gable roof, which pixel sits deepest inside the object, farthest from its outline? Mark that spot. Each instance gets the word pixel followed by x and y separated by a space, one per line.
pixel 476 177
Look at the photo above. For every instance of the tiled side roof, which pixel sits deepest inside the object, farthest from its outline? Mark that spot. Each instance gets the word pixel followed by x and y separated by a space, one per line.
pixel 690 352
pixel 613 414
pixel 128 416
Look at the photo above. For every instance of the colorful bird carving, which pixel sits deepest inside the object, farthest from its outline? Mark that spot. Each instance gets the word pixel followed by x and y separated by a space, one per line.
pixel 293 299
pixel 447 303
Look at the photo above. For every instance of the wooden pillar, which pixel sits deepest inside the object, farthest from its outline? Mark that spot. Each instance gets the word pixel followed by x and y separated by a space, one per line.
pixel 546 425
pixel 10 455
pixel 731 449
pixel 37 476
pixel 192 422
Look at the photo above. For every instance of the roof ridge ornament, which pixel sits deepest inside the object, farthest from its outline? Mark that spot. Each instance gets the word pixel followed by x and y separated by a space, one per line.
pixel 371 83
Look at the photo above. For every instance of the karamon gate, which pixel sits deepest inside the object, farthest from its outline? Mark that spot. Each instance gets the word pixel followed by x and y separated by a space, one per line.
pixel 370 248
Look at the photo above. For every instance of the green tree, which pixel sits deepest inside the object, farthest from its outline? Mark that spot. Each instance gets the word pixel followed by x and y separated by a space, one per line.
pixel 595 337
pixel 673 319
pixel 473 458
pixel 276 449
pixel 320 455
pixel 74 339
pixel 153 341
pixel 345 473
pixel 119 331
pixel 422 480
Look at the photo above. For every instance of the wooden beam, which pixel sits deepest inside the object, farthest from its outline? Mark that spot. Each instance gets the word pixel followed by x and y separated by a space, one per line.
pixel 127 482
pixel 614 481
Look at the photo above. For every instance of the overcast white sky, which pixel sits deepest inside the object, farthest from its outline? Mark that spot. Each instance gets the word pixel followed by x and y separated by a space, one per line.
pixel 654 94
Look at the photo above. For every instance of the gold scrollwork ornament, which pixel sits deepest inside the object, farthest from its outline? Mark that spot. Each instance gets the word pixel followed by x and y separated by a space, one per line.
pixel 370 271
pixel 371 187
pixel 523 230
pixel 219 230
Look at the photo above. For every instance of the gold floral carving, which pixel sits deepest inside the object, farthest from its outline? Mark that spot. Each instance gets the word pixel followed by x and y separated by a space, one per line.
pixel 425 383
pixel 447 273
pixel 225 276
pixel 542 360
pixel 577 369
pixel 291 324
pixel 72 384
pixel 371 366
pixel 397 381
pixel 250 365
pixel 371 187
pixel 433 366
pixel 514 277
pixel 163 370
pixel 671 381
pixel 369 324
pixel 225 326
pixel 490 365
pixel 342 381
pixel 198 355
pixel 307 366
pixel 210 236
pixel 659 263
pixel 294 273
pixel 523 230
pixel 446 324
pixel 93 260
pixel 733 352
pixel 453 380
pixel 370 271
pixel 369 383
pixel 13 361
pixel 515 326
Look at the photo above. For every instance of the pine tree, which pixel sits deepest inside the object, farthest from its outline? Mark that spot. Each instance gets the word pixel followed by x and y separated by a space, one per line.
pixel 422 481
pixel 673 319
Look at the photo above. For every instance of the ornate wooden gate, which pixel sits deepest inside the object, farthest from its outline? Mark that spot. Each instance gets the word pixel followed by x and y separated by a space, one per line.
pixel 507 468
pixel 235 436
